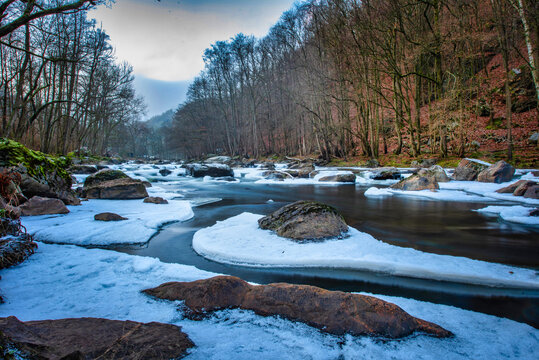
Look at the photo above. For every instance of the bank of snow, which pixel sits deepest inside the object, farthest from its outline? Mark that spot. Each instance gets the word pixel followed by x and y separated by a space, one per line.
pixel 239 240
pixel 517 214
pixel 68 281
pixel 79 227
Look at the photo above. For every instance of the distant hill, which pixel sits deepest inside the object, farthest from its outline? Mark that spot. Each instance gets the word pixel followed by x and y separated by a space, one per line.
pixel 158 121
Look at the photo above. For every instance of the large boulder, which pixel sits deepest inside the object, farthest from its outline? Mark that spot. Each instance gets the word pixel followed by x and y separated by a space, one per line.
pixel 343 178
pixel 497 173
pixel 334 312
pixel 435 172
pixel 468 169
pixel 416 183
pixel 213 170
pixel 41 174
pixel 304 220
pixel 104 175
pixel 38 205
pixel 119 189
pixel 90 338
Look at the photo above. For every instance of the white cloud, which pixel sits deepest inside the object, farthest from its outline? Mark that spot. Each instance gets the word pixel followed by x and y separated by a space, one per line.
pixel 165 40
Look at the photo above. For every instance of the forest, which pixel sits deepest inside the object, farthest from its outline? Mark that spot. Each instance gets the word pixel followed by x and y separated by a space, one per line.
pixel 333 78
pixel 342 78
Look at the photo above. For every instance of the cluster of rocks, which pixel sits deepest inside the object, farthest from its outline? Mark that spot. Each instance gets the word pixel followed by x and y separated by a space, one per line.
pixel 467 170
pixel 525 188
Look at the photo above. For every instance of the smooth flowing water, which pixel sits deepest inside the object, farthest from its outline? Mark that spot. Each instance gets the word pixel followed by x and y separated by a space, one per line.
pixel 440 227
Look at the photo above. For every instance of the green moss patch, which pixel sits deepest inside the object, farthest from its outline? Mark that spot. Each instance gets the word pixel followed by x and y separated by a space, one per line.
pixel 38 164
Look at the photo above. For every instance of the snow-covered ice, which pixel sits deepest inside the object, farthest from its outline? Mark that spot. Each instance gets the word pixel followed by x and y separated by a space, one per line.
pixel 517 214
pixel 68 281
pixel 79 227
pixel 444 195
pixel 239 240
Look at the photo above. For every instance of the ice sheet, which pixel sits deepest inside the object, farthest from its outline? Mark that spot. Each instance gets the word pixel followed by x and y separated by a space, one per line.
pixel 239 240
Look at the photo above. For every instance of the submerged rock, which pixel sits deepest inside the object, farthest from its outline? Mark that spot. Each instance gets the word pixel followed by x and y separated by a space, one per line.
pixel 468 169
pixel 108 216
pixel 334 312
pixel 165 172
pixel 38 205
pixel 213 170
pixel 305 220
pixel 497 173
pixel 90 338
pixel 416 183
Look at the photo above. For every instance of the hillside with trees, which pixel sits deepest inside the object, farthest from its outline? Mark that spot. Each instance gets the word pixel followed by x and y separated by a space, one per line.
pixel 345 78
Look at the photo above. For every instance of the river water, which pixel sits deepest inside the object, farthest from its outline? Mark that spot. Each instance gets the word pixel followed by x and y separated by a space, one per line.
pixel 441 227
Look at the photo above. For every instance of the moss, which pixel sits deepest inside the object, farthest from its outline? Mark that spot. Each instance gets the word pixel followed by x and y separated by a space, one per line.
pixel 104 175
pixel 38 164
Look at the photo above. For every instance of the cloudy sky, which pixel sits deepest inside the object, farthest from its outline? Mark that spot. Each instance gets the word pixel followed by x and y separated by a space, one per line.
pixel 164 40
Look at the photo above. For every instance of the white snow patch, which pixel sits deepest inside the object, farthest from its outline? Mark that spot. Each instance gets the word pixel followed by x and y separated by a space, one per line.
pixel 443 195
pixel 67 281
pixel 79 227
pixel 517 214
pixel 374 191
pixel 239 240
pixel 488 190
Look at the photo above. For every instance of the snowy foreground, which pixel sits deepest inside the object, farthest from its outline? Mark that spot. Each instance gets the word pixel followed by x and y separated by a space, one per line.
pixel 68 281
pixel 239 240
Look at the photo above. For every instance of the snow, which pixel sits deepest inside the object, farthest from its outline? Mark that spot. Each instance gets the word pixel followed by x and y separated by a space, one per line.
pixel 479 161
pixel 443 195
pixel 374 191
pixel 517 214
pixel 488 190
pixel 79 227
pixel 238 240
pixel 68 281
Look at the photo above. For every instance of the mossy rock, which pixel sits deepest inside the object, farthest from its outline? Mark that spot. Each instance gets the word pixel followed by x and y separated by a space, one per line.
pixel 304 220
pixel 39 165
pixel 104 175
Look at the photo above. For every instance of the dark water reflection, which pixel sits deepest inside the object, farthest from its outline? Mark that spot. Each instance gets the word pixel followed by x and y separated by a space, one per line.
pixel 433 226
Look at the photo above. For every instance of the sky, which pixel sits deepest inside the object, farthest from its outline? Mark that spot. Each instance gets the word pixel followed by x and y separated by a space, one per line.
pixel 164 40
